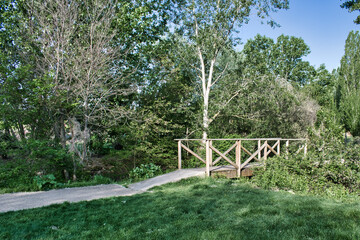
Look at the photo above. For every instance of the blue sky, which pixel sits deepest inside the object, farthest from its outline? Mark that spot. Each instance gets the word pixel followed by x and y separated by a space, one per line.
pixel 323 25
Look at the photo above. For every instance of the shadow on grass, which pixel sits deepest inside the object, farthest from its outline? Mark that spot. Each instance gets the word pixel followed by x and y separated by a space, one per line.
pixel 190 209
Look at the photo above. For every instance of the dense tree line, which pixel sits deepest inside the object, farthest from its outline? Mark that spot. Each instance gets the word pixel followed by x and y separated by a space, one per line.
pixel 121 79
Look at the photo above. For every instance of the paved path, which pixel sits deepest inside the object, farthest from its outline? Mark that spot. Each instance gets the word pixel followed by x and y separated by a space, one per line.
pixel 26 200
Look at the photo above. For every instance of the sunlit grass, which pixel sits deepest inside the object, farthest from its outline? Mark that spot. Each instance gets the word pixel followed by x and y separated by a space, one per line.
pixel 190 209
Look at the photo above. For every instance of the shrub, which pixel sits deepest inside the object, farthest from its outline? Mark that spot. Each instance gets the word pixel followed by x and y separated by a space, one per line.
pixel 45 157
pixel 98 179
pixel 34 158
pixel 145 171
pixel 16 175
pixel 334 174
pixel 45 182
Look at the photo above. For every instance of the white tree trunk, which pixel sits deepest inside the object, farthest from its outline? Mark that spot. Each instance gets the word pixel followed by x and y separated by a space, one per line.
pixel 205 117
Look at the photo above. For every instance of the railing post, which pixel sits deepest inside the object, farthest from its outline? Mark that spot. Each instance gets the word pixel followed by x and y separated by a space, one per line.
pixel 207 158
pixel 278 148
pixel 265 150
pixel 238 158
pixel 305 149
pixel 259 146
pixel 287 149
pixel 179 155
pixel 210 154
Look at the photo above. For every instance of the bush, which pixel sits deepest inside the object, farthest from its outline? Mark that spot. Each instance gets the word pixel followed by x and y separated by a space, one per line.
pixel 98 179
pixel 333 173
pixel 145 171
pixel 46 182
pixel 115 165
pixel 34 159
pixel 16 175
pixel 45 157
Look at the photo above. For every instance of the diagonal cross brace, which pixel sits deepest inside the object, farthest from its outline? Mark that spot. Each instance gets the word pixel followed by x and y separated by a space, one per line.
pixel 226 152
pixel 224 157
pixel 253 156
pixel 191 152
pixel 272 149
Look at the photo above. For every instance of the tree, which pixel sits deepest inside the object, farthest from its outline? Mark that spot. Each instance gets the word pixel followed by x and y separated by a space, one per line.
pixel 91 54
pixel 22 104
pixel 352 5
pixel 349 85
pixel 266 106
pixel 207 29
pixel 281 59
pixel 82 63
pixel 322 87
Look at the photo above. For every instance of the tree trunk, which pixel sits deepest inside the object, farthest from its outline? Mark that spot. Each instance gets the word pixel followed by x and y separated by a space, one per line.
pixel 21 130
pixel 85 140
pixel 62 132
pixel 59 131
pixel 205 117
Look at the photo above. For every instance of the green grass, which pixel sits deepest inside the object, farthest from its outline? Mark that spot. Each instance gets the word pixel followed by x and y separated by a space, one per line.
pixel 190 209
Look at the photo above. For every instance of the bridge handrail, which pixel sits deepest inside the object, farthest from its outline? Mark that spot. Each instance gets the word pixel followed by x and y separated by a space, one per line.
pixel 265 148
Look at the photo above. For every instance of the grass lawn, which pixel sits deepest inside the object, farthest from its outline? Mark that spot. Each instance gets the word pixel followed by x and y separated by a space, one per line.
pixel 190 209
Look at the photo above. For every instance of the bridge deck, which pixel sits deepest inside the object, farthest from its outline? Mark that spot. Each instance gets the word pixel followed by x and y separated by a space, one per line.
pixel 230 171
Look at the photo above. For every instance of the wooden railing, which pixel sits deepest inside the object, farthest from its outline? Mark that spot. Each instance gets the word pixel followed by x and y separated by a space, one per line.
pixel 261 153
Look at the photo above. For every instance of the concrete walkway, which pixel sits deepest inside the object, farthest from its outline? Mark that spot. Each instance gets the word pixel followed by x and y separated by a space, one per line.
pixel 27 200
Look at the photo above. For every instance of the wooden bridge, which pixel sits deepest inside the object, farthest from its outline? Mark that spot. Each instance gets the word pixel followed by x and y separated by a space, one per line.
pixel 245 157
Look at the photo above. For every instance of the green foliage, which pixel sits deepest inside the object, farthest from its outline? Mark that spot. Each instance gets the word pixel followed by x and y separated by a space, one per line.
pixel 98 179
pixel 322 87
pixel 116 165
pixel 281 110
pixel 348 89
pixel 46 157
pixel 330 169
pixel 282 59
pixel 16 175
pixel 352 6
pixel 145 171
pixel 7 143
pixel 45 182
pixel 350 111
pixel 34 158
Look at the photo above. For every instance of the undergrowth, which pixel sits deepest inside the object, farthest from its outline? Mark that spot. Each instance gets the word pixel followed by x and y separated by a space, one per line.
pixel 330 170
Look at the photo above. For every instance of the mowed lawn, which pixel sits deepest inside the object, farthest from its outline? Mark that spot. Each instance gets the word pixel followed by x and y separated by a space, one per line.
pixel 190 209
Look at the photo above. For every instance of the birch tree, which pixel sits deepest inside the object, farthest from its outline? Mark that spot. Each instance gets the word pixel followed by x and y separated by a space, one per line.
pixel 209 28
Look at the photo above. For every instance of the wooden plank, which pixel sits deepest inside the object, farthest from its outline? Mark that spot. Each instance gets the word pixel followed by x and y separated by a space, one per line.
pixel 278 148
pixel 210 155
pixel 305 149
pixel 293 139
pixel 226 152
pixel 271 149
pixel 287 149
pixel 259 146
pixel 236 139
pixel 302 147
pixel 224 157
pixel 230 171
pixel 265 151
pixel 207 158
pixel 247 172
pixel 238 158
pixel 191 152
pixel 253 155
pixel 179 154
pixel 249 153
